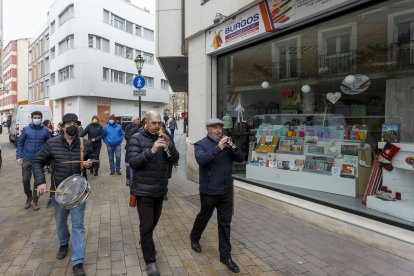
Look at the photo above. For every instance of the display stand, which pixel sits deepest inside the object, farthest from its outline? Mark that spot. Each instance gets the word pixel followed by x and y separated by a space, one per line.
pixel 400 179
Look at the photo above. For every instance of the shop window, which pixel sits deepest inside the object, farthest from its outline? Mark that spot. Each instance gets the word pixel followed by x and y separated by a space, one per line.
pixel 337 50
pixel 402 44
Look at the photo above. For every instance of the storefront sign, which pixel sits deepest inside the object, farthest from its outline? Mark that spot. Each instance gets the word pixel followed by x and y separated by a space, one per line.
pixel 246 25
pixel 277 14
pixel 267 16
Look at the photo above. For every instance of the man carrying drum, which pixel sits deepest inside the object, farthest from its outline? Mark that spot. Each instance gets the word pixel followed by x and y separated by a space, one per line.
pixel 63 153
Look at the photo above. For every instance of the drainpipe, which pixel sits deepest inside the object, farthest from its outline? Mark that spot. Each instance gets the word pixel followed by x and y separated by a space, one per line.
pixel 183 28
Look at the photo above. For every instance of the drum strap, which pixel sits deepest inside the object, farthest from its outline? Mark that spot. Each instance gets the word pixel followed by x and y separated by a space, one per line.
pixel 81 153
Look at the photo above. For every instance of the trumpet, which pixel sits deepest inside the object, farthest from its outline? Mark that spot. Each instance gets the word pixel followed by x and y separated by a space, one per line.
pixel 232 145
pixel 166 149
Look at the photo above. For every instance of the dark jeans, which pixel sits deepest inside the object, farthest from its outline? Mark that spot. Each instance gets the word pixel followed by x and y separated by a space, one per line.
pixel 149 212
pixel 96 151
pixel 27 176
pixel 223 204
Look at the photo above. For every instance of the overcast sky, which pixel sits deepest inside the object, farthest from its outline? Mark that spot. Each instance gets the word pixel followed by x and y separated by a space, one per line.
pixel 26 18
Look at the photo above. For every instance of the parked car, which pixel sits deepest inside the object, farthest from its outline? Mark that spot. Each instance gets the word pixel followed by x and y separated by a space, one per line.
pixel 124 121
pixel 22 117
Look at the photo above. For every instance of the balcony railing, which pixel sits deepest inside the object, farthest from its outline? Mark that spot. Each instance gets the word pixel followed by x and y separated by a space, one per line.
pixel 339 63
pixel 403 52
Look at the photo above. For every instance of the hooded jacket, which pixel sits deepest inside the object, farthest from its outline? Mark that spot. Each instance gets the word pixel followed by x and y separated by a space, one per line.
pixel 113 134
pixel 150 169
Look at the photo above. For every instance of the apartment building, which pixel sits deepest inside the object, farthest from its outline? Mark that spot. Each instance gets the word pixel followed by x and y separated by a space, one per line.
pixel 15 77
pixel 92 47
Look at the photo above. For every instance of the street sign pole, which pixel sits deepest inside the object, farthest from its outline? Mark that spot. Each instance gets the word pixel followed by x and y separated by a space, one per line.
pixel 139 83
pixel 139 106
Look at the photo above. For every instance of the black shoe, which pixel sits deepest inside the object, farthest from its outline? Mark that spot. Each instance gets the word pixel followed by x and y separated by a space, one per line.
pixel 78 270
pixel 196 246
pixel 112 173
pixel 231 265
pixel 118 172
pixel 91 171
pixel 96 173
pixel 63 250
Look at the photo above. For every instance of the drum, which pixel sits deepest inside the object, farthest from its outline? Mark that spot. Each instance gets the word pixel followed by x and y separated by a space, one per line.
pixel 72 192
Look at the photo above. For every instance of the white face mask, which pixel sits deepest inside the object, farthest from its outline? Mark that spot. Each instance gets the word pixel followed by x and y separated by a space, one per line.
pixel 112 122
pixel 37 122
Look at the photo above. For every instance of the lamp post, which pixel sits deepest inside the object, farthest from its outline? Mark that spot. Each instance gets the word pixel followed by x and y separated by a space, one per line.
pixel 173 106
pixel 139 62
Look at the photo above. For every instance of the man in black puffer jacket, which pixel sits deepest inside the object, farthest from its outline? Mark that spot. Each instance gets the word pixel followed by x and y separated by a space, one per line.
pixel 149 161
pixel 95 134
pixel 56 151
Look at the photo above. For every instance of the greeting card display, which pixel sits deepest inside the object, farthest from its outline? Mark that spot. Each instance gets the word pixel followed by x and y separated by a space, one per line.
pixel 348 171
pixel 390 133
pixel 318 164
pixel 267 143
pixel 290 145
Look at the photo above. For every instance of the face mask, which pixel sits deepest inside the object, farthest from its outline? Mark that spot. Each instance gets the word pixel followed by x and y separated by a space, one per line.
pixel 112 122
pixel 72 130
pixel 37 121
pixel 95 121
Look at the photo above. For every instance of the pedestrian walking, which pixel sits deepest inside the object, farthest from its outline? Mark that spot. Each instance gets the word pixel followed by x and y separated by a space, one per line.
pixel 150 154
pixel 215 158
pixel 66 147
pixel 172 125
pixel 95 134
pixel 166 118
pixel 30 142
pixel 49 126
pixel 8 122
pixel 130 130
pixel 113 136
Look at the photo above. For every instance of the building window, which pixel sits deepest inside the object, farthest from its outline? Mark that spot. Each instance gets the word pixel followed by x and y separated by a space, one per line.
pixel 138 30
pixel 30 93
pixel 118 76
pixel 119 50
pixel 52 53
pixel 47 68
pixel 164 84
pixel 106 16
pixel 105 74
pixel 149 82
pixel 286 59
pixel 52 27
pixel 98 42
pixel 129 78
pixel 30 56
pixel 66 44
pixel 52 79
pixel 66 73
pixel 47 91
pixel 42 68
pixel 118 22
pixel 337 47
pixel 402 44
pixel 148 34
pixel 66 14
pixel 129 53
pixel 149 58
pixel 129 27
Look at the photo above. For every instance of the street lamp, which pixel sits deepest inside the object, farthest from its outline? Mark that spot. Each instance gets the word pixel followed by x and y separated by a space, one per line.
pixel 173 106
pixel 139 62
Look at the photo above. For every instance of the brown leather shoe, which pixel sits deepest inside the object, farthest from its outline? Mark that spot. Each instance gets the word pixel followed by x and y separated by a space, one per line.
pixel 28 202
pixel 35 205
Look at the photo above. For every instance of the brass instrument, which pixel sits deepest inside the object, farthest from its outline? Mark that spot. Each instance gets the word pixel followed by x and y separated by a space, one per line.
pixel 231 144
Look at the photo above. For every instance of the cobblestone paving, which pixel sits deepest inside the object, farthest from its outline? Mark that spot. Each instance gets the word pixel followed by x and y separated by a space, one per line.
pixel 264 242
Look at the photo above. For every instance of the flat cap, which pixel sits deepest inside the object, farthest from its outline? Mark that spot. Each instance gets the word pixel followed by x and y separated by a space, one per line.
pixel 214 121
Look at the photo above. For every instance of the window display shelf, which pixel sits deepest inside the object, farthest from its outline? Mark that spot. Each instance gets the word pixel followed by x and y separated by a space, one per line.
pixel 365 117
pixel 400 208
pixel 312 181
pixel 406 150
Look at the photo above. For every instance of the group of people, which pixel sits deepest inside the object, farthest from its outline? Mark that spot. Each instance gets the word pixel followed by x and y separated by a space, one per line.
pixel 150 155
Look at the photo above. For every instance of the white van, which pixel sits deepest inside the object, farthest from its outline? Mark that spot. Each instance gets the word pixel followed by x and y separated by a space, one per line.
pixel 22 117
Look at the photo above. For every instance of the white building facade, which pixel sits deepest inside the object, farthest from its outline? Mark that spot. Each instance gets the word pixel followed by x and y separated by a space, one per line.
pixel 93 45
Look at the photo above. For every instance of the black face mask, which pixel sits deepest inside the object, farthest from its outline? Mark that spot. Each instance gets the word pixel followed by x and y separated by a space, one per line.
pixel 72 130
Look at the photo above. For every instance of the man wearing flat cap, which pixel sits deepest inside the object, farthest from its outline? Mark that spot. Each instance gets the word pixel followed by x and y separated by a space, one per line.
pixel 66 147
pixel 215 158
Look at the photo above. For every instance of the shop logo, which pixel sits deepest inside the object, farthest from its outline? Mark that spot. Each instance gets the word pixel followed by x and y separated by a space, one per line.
pixel 217 40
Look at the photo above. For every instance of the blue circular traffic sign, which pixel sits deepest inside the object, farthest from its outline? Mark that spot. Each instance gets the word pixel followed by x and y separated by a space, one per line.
pixel 139 82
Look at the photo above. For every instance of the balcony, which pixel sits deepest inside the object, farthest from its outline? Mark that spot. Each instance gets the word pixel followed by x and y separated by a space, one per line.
pixel 340 63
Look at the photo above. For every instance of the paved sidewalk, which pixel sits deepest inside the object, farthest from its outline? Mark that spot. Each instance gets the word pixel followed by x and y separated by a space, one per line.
pixel 264 241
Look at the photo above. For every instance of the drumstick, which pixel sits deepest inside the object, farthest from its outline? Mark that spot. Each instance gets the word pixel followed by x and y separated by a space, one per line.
pixel 57 192
pixel 78 161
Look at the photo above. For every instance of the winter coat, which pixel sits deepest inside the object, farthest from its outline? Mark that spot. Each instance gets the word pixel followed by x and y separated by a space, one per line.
pixel 113 134
pixel 94 131
pixel 150 177
pixel 215 167
pixel 55 151
pixel 130 130
pixel 31 141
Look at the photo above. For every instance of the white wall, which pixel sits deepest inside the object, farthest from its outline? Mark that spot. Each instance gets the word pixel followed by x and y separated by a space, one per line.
pixel 168 16
pixel 22 69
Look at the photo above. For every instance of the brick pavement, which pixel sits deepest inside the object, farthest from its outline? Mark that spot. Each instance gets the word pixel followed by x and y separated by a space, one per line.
pixel 264 242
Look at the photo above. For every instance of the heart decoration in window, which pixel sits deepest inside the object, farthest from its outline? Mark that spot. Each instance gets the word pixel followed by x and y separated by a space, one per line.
pixel 333 97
